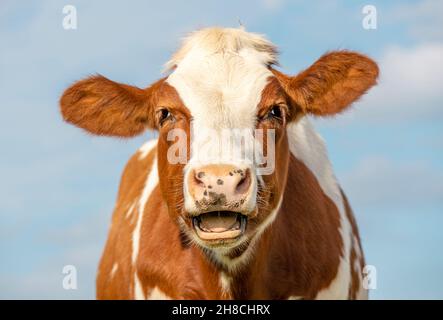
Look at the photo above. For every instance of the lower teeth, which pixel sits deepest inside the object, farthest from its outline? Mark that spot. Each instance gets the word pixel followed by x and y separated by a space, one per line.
pixel 236 226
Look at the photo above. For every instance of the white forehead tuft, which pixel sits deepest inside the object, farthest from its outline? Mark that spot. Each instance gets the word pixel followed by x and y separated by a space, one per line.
pixel 225 40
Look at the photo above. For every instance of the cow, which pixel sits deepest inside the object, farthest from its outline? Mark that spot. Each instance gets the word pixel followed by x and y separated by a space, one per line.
pixel 218 227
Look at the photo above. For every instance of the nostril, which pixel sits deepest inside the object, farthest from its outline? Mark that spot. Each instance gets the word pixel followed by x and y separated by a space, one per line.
pixel 244 183
pixel 198 178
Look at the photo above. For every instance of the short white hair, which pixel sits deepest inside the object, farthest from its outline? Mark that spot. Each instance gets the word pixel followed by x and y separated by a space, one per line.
pixel 224 40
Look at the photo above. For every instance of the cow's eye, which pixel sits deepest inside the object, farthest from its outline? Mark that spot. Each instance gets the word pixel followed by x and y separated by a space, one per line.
pixel 163 115
pixel 275 112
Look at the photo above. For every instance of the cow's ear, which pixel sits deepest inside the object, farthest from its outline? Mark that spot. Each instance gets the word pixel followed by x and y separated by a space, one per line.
pixel 104 107
pixel 331 84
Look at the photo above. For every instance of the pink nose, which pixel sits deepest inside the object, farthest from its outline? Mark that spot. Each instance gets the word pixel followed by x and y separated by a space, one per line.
pixel 220 187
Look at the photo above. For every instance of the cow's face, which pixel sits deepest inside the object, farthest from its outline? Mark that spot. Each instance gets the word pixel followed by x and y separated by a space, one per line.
pixel 234 111
pixel 224 196
pixel 221 116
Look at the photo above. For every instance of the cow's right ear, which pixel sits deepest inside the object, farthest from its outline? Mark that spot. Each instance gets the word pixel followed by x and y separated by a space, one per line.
pixel 104 107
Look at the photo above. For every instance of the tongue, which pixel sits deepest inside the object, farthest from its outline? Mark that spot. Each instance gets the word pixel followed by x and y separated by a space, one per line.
pixel 218 222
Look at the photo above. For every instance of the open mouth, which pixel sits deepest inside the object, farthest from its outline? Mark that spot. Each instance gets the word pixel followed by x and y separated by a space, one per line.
pixel 219 225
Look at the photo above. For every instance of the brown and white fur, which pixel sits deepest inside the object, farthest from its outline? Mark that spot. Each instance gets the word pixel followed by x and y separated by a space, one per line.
pixel 300 241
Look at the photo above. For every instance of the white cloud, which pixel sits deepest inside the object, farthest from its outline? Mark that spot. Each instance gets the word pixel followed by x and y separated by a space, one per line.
pixel 377 181
pixel 410 84
pixel 423 19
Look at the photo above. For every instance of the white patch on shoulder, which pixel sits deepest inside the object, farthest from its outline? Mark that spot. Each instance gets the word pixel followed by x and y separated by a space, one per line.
pixel 307 146
pixel 157 294
pixel 113 270
pixel 146 148
pixel 295 298
pixel 150 184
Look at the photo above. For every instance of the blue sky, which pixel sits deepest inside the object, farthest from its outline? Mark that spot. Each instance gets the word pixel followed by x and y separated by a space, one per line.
pixel 58 184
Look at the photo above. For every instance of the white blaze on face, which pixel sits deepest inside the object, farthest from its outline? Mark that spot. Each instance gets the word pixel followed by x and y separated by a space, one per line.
pixel 219 75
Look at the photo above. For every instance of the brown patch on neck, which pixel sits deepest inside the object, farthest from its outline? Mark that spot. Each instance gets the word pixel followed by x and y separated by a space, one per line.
pixel 312 221
pixel 299 254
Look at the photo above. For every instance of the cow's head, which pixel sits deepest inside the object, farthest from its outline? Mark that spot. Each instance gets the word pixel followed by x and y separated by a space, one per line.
pixel 221 81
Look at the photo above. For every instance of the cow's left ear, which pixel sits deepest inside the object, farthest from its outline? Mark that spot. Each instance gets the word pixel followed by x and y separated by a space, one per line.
pixel 331 84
